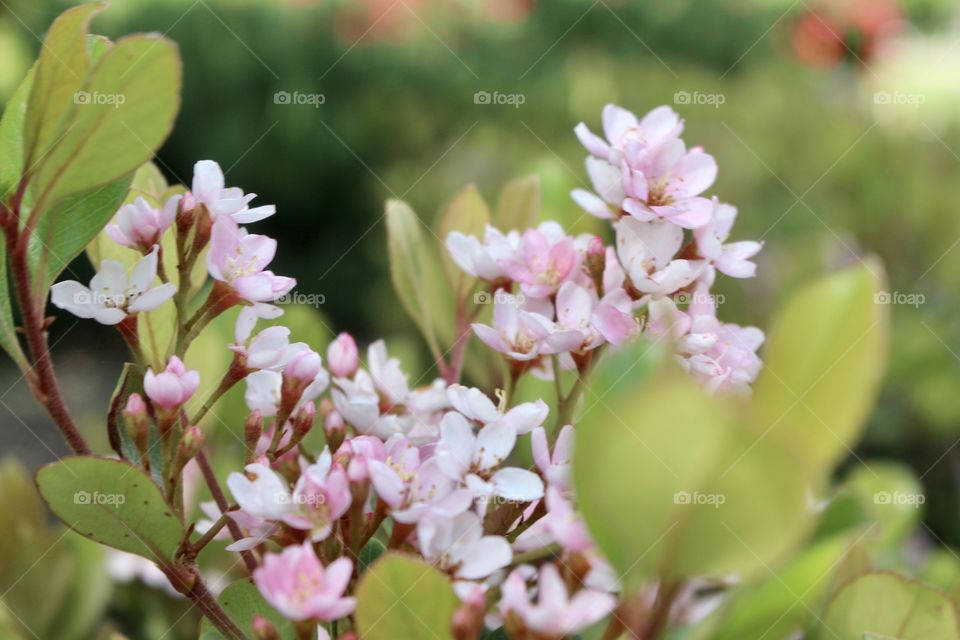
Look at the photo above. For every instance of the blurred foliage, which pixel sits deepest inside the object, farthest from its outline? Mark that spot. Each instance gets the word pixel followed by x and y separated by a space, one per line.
pixel 820 171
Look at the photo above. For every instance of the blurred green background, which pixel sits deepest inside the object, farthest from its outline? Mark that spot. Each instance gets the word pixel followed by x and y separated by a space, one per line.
pixel 831 150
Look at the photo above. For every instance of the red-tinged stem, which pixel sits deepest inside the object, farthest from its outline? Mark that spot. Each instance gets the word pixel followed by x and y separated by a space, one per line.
pixel 186 579
pixel 42 378
pixel 218 496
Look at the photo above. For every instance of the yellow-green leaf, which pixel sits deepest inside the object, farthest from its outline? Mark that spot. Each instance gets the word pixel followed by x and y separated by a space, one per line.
pixel 823 365
pixel 518 205
pixel 403 598
pixel 468 214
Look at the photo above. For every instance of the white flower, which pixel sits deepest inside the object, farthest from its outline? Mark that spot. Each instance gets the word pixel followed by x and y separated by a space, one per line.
pixel 458 545
pixel 111 295
pixel 208 189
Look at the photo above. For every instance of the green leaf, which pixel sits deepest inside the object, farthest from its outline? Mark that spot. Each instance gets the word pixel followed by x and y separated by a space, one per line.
pixel 63 233
pixel 779 605
pixel 113 503
pixel 11 136
pixel 892 496
pixel 468 214
pixel 416 274
pixel 878 606
pixel 671 486
pixel 518 205
pixel 823 365
pixel 370 553
pixel 124 113
pixel 60 71
pixel 403 597
pixel 242 601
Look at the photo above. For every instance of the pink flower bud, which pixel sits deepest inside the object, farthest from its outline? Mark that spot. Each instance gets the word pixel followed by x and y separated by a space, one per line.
pixel 171 387
pixel 304 366
pixel 136 407
pixel 342 356
pixel 595 247
pixel 333 422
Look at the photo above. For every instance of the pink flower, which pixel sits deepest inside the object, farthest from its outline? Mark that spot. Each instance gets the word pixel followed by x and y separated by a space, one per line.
pixel 139 226
pixel 624 131
pixel 261 492
pixel 732 259
pixel 239 258
pixel 555 614
pixel 545 259
pixel 561 525
pixel 475 460
pixel 112 296
pixel 267 349
pixel 297 585
pixel 647 251
pixel 475 405
pixel 412 487
pixel 171 387
pixel 458 544
pixel 208 189
pixel 483 260
pixel 342 356
pixel 322 496
pixel 556 467
pixel 516 333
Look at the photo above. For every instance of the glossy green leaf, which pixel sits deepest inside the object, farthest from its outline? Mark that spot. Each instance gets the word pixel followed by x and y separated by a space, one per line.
pixel 63 233
pixel 878 606
pixel 60 72
pixel 416 275
pixel 668 485
pixel 468 214
pixel 11 136
pixel 518 204
pixel 823 365
pixel 403 598
pixel 123 114
pixel 113 503
pixel 242 601
pixel 780 604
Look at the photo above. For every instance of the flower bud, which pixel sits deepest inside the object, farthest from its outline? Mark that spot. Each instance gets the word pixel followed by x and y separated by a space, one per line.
pixel 596 262
pixel 173 386
pixel 303 420
pixel 342 356
pixel 304 366
pixel 137 422
pixel 263 630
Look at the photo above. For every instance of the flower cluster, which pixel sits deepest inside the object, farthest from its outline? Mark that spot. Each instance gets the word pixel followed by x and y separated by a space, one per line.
pixel 436 469
pixel 557 298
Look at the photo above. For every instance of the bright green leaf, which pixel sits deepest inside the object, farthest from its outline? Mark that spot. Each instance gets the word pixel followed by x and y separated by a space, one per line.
pixel 783 603
pixel 11 136
pixel 878 606
pixel 892 496
pixel 63 233
pixel 370 553
pixel 123 114
pixel 402 598
pixel 823 365
pixel 518 205
pixel 113 503
pixel 416 274
pixel 668 485
pixel 242 601
pixel 60 72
